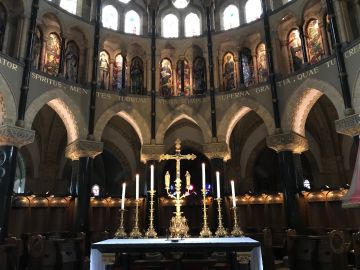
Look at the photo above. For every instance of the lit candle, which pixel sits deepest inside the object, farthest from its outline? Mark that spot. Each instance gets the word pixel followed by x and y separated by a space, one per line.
pixel 203 176
pixel 137 187
pixel 233 193
pixel 123 196
pixel 151 177
pixel 218 184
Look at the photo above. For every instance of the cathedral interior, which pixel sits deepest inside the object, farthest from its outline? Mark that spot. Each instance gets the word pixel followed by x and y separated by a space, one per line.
pixel 96 96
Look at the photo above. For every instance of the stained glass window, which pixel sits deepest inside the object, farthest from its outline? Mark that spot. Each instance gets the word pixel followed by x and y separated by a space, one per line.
pixel 199 76
pixel 69 5
pixel 229 72
pixel 247 67
pixel 2 25
pixel 253 10
pixel 192 25
pixel 296 54
pixel 132 22
pixel 118 73
pixel 231 17
pixel 314 42
pixel 170 26
pixel 180 3
pixel 72 61
pixel 262 66
pixel 110 17
pixel 186 90
pixel 52 54
pixel 137 76
pixel 166 79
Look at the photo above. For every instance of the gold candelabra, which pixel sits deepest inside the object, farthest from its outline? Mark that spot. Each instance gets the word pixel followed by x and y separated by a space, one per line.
pixel 220 231
pixel 178 224
pixel 135 233
pixel 151 233
pixel 205 231
pixel 236 229
pixel 120 233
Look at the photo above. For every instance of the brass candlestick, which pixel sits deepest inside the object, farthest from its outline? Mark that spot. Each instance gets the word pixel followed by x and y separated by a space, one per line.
pixel 178 225
pixel 221 231
pixel 120 233
pixel 236 229
pixel 135 233
pixel 205 231
pixel 151 233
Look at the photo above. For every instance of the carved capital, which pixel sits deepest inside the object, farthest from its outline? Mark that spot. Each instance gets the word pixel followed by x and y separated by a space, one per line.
pixel 349 125
pixel 17 136
pixel 217 150
pixel 83 148
pixel 151 152
pixel 288 142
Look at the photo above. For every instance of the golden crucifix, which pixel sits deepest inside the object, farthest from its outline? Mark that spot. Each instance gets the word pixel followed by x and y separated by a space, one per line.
pixel 178 225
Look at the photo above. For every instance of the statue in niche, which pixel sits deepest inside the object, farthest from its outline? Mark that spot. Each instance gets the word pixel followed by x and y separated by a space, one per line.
pixel 52 57
pixel 2 25
pixel 137 76
pixel 166 78
pixel 72 62
pixel 199 75
pixel 229 72
pixel 104 69
pixel 117 73
pixel 36 49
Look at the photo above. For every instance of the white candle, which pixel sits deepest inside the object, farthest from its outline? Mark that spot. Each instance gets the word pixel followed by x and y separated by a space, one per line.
pixel 137 187
pixel 151 177
pixel 203 175
pixel 218 184
pixel 233 193
pixel 123 196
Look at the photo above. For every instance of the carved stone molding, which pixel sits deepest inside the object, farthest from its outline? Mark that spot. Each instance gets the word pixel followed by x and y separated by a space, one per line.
pixel 83 148
pixel 217 150
pixel 17 136
pixel 349 125
pixel 288 142
pixel 151 152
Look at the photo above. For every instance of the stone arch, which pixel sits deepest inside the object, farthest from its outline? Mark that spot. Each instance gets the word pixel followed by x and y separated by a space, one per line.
pixel 8 112
pixel 183 112
pixel 65 107
pixel 130 115
pixel 237 111
pixel 304 98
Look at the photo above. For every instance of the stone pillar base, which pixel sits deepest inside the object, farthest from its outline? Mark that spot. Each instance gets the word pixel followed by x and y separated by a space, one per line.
pixel 16 136
pixel 291 141
pixel 217 150
pixel 83 148
pixel 349 125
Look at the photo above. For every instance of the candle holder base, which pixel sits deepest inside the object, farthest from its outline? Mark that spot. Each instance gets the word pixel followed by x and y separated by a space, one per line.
pixel 236 231
pixel 221 232
pixel 120 232
pixel 205 232
pixel 151 233
pixel 178 227
pixel 135 233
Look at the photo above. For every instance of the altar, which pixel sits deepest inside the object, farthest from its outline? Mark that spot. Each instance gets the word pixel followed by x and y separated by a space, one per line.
pixel 103 253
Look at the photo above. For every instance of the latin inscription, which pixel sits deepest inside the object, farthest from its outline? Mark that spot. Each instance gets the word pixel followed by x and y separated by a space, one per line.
pixel 10 65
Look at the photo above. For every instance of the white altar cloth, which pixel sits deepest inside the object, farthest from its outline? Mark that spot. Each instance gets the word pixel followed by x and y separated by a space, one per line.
pixel 187 244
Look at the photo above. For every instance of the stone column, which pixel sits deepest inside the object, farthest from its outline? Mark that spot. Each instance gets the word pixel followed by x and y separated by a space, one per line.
pixel 343 21
pixel 11 139
pixel 324 38
pixel 62 56
pixel 286 145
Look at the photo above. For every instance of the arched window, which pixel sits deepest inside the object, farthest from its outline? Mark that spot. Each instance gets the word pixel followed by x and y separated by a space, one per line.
pixel 180 3
pixel 69 5
pixel 166 78
pixel 186 90
pixel 132 22
pixel 52 54
pixel 262 66
pixel 199 76
pixel 2 25
pixel 247 67
pixel 72 62
pixel 192 25
pixel 170 26
pixel 229 72
pixel 231 17
pixel 296 53
pixel 117 81
pixel 37 48
pixel 253 10
pixel 315 46
pixel 137 76
pixel 110 17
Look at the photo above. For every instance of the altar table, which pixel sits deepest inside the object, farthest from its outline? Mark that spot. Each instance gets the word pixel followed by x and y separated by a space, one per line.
pixel 231 244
